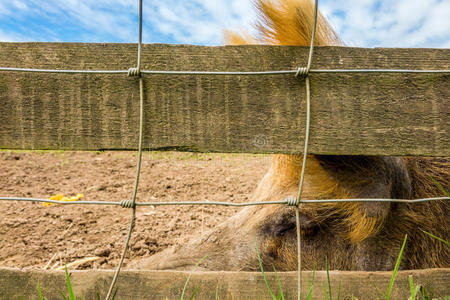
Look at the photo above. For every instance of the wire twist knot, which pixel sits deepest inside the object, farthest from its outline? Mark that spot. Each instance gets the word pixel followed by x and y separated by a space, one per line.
pixel 134 72
pixel 291 201
pixel 127 203
pixel 302 72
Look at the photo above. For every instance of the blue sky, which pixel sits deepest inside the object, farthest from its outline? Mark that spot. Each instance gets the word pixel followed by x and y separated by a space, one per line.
pixel 361 23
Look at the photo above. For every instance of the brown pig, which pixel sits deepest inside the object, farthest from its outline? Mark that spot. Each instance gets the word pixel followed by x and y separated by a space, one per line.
pixel 351 235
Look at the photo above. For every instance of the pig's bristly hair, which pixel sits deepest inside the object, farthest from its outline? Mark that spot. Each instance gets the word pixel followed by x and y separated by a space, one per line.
pixel 286 22
pixel 290 22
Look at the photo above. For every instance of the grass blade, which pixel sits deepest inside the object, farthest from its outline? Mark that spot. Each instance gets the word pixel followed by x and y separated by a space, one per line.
pixel 417 290
pixel 62 295
pixel 411 287
pixel 339 290
pixel 195 292
pixel 189 277
pixel 379 291
pixel 309 296
pixel 279 284
pixel 69 286
pixel 39 291
pixel 262 271
pixel 324 290
pixel 397 265
pixel 217 291
pixel 440 187
pixel 115 293
pixel 328 277
pixel 435 237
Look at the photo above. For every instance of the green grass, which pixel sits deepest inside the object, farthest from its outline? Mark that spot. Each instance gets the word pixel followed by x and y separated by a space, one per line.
pixel 71 294
pixel 70 291
pixel 435 237
pixel 414 290
pixel 328 277
pixel 40 292
pixel 189 277
pixel 397 265
pixel 264 276
pixel 309 295
pixel 327 291
pixel 446 193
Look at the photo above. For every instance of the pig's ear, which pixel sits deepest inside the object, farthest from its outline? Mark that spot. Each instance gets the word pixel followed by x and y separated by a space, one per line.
pixel 393 182
pixel 362 225
pixel 366 178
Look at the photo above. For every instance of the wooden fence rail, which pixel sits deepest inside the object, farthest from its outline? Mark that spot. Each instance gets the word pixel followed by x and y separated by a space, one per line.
pixel 15 283
pixel 370 114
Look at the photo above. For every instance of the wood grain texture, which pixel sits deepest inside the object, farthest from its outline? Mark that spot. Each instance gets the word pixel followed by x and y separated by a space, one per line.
pixel 15 283
pixel 370 114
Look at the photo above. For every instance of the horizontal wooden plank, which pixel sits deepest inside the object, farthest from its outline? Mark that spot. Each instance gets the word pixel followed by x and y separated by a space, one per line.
pixel 16 283
pixel 370 114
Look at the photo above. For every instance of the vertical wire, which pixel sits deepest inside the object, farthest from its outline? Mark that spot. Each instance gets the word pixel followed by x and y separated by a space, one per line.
pixel 305 153
pixel 305 150
pixel 140 37
pixel 136 184
pixel 300 189
pixel 138 166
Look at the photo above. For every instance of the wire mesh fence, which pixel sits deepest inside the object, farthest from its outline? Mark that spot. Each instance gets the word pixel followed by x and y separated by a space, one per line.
pixel 301 72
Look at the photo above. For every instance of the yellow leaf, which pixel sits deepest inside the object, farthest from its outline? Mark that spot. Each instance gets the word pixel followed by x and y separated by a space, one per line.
pixel 57 197
pixel 60 197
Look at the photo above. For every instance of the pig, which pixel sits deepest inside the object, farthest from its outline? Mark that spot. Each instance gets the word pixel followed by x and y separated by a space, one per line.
pixel 350 235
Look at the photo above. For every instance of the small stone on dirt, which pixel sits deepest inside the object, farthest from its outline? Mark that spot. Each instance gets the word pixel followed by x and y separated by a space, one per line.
pixel 105 252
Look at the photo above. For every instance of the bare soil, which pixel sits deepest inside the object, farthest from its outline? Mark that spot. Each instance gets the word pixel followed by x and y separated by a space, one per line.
pixel 47 237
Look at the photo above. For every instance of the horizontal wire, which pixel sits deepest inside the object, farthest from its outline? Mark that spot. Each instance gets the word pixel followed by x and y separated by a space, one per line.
pixel 59 201
pixel 280 72
pixel 224 203
pixel 377 71
pixel 375 200
pixel 65 71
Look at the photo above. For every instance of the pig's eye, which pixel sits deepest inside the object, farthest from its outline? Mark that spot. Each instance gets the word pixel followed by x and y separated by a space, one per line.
pixel 282 227
pixel 285 225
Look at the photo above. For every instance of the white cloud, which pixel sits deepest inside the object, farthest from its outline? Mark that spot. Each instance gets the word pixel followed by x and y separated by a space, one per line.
pixel 8 37
pixel 51 18
pixel 365 23
pixel 197 21
pixel 401 23
pixel 21 5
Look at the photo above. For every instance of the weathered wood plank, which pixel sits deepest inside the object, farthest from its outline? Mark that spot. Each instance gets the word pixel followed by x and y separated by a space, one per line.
pixel 371 114
pixel 16 283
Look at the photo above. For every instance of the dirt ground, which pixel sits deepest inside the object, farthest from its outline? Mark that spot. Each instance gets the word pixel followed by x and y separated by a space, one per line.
pixel 48 237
